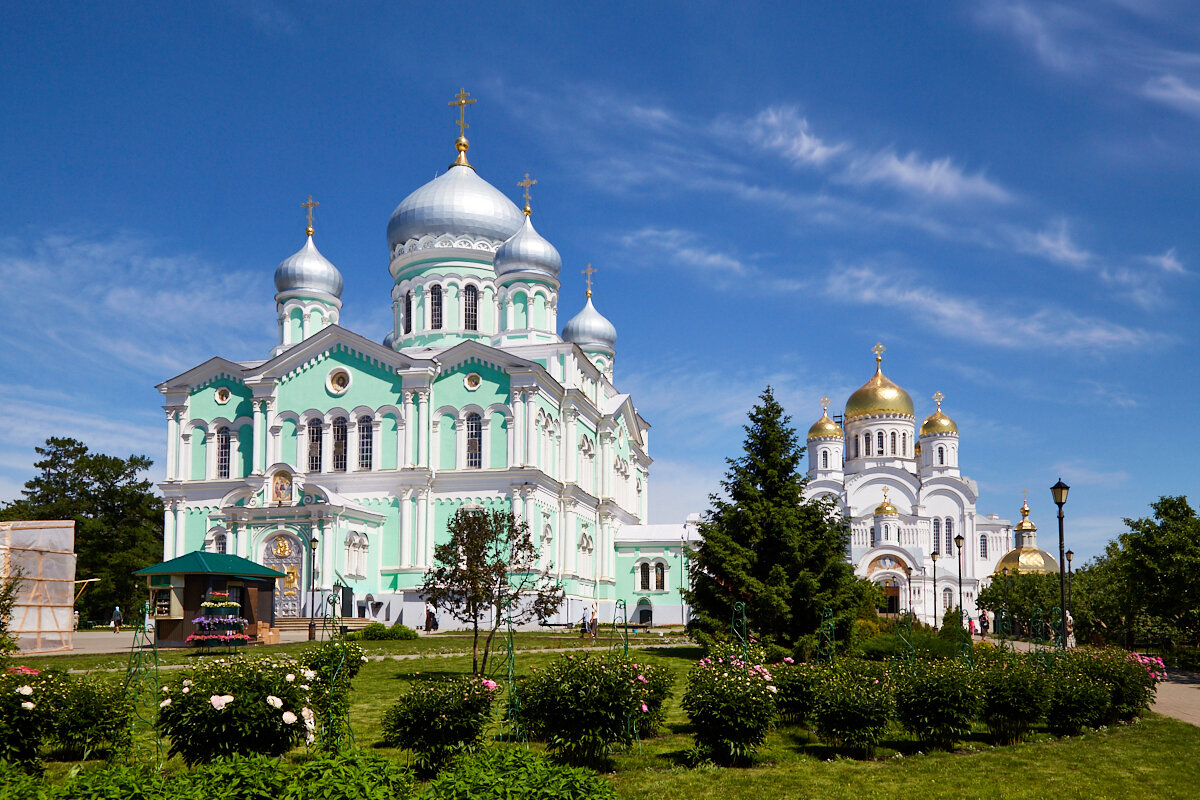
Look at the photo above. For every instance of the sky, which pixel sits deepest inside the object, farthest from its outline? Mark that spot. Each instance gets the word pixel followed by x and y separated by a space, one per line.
pixel 1003 193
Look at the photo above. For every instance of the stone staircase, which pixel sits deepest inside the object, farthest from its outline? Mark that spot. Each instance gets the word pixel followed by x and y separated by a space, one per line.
pixel 284 624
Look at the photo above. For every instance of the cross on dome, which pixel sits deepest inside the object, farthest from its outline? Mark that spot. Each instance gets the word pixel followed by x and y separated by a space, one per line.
pixel 825 405
pixel 526 184
pixel 310 205
pixel 938 397
pixel 588 273
pixel 878 351
pixel 462 102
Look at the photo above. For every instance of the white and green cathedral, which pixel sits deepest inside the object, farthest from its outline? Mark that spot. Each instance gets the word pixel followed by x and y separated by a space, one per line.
pixel 339 460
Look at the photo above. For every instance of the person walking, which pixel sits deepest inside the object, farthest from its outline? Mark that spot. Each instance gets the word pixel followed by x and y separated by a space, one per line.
pixel 594 622
pixel 430 623
pixel 583 624
pixel 116 619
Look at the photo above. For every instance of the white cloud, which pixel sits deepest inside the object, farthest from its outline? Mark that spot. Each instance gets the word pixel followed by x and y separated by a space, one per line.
pixel 682 248
pixel 1167 262
pixel 1056 244
pixel 972 320
pixel 783 130
pixel 1173 91
pixel 940 178
pixel 1040 30
pixel 680 488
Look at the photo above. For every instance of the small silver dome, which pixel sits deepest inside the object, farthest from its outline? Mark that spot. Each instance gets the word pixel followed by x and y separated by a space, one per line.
pixel 308 269
pixel 457 202
pixel 389 341
pixel 527 251
pixel 589 328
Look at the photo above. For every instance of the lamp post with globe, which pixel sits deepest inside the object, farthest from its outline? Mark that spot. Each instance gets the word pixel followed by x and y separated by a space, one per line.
pixel 312 586
pixel 959 541
pixel 934 557
pixel 1059 492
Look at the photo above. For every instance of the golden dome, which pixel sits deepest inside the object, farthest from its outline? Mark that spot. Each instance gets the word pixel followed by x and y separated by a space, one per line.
pixel 1026 524
pixel 886 508
pixel 1026 560
pixel 937 422
pixel 825 427
pixel 878 395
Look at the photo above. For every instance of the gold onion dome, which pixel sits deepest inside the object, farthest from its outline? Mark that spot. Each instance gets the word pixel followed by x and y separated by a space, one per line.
pixel 1027 557
pixel 937 422
pixel 886 507
pixel 825 427
pixel 879 395
pixel 1026 524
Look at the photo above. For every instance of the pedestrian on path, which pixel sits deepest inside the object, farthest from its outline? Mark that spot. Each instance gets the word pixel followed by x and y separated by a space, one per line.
pixel 116 619
pixel 594 623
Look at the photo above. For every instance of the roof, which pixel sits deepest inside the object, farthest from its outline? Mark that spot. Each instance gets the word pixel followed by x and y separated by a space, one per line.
pixel 202 563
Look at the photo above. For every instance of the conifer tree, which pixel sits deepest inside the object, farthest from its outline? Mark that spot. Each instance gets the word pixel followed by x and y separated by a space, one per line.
pixel 766 546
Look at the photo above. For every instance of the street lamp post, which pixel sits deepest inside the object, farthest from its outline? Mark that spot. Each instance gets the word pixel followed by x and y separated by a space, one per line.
pixel 1007 621
pixel 1070 573
pixel 1059 492
pixel 312 586
pixel 934 557
pixel 958 542
pixel 908 578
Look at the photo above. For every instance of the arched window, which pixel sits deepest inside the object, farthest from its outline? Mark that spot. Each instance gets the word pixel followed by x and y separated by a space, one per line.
pixel 824 459
pixel 982 546
pixel 339 444
pixel 947 599
pixel 435 307
pixel 408 312
pixel 474 441
pixel 660 577
pixel 937 536
pixel 856 447
pixel 949 535
pixel 879 443
pixel 941 455
pixel 886 532
pixel 867 443
pixel 314 446
pixel 645 577
pixel 366 442
pixel 471 308
pixel 874 538
pixel 223 452
pixel 893 443
pixel 904 444
pixel 218 543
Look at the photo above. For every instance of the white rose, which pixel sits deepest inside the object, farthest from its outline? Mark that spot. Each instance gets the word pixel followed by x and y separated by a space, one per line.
pixel 187 683
pixel 165 703
pixel 304 686
pixel 274 702
pixel 772 689
pixel 308 674
pixel 27 706
pixel 289 677
pixel 25 690
pixel 289 718
pixel 166 690
pixel 186 690
pixel 219 701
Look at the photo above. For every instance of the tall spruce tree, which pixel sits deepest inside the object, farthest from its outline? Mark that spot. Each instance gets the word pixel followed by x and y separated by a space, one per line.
pixel 764 545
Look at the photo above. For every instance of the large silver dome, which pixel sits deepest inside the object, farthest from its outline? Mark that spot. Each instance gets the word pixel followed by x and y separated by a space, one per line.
pixel 308 269
pixel 527 251
pixel 457 202
pixel 589 328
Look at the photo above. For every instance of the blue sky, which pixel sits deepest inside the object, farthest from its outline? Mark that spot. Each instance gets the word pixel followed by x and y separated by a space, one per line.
pixel 1003 193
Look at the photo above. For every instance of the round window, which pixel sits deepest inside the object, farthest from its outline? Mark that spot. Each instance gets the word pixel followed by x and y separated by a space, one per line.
pixel 222 396
pixel 472 381
pixel 338 381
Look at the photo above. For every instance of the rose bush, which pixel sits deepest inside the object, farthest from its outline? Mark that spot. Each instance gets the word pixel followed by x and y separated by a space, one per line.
pixel 731 703
pixel 238 706
pixel 439 719
pixel 797 689
pixel 21 720
pixel 1014 693
pixel 937 701
pixel 853 705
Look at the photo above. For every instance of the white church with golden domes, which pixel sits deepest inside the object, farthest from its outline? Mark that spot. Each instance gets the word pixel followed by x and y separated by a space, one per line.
pixel 908 504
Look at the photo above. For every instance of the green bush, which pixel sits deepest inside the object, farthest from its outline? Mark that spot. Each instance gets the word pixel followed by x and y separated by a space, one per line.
pixel 378 632
pixel 1076 701
pixel 335 663
pixel 1132 682
pixel 440 719
pixel 22 718
pixel 517 775
pixel 242 706
pixel 582 706
pixel 731 704
pixel 854 705
pixel 83 715
pixel 937 701
pixel 18 784
pixel 123 782
pixel 1015 694
pixel 797 684
pixel 351 775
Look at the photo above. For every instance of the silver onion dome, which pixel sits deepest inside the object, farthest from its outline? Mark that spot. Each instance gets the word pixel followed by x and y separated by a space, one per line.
pixel 389 341
pixel 527 251
pixel 308 269
pixel 589 328
pixel 457 202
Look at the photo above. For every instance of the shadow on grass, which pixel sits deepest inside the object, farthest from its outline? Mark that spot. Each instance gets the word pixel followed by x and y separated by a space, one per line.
pixel 682 652
pixel 427 675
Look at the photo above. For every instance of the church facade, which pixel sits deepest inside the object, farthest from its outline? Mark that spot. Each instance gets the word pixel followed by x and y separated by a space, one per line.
pixel 908 505
pixel 340 460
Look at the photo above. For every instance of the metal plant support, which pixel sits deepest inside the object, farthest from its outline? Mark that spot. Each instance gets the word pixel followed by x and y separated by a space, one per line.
pixel 621 621
pixel 142 691
pixel 511 718
pixel 827 641
pixel 336 731
pixel 740 632
pixel 903 649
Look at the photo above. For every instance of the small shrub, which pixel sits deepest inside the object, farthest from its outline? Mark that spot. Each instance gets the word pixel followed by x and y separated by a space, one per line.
pixel 1131 678
pixel 510 774
pixel 22 718
pixel 1076 701
pixel 352 775
pixel 83 715
pixel 937 701
pixel 141 782
pixel 402 632
pixel 335 663
pixel 854 705
pixel 582 706
pixel 17 784
pixel 440 719
pixel 378 632
pixel 1015 694
pixel 731 704
pixel 797 684
pixel 222 708
pixel 657 683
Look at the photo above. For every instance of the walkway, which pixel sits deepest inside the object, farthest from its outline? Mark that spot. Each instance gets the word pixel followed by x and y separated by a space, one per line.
pixel 1179 696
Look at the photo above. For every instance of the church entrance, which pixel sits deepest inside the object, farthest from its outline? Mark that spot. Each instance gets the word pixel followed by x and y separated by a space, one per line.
pixel 283 551
pixel 891 596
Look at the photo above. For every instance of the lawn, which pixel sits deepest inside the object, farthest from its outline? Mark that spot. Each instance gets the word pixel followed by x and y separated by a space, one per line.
pixel 1155 758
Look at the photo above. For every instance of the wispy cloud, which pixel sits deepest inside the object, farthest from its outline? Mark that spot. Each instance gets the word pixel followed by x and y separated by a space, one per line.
pixel 1055 243
pixel 784 130
pixel 1040 28
pixel 1173 91
pixel 685 249
pixel 938 178
pixel 1167 262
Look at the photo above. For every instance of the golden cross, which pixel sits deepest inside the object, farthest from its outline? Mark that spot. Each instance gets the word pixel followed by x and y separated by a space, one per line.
pixel 310 205
pixel 825 405
pixel 885 493
pixel 526 184
pixel 462 102
pixel 878 351
pixel 938 397
pixel 589 272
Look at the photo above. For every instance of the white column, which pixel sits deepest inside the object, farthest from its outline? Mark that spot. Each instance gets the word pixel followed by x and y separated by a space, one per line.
pixel 258 460
pixel 485 440
pixel 424 429
pixel 405 458
pixel 426 553
pixel 180 527
pixel 326 447
pixel 377 444
pixel 351 443
pixel 435 440
pixel 275 445
pixel 328 553
pixel 172 444
pixel 406 528
pixel 516 433
pixel 169 530
pixel 530 405
pixel 243 539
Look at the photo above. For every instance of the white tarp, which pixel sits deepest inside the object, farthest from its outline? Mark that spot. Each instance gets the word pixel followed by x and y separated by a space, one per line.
pixel 44 552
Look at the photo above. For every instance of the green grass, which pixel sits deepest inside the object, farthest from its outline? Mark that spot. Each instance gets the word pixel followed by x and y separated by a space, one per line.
pixel 1154 758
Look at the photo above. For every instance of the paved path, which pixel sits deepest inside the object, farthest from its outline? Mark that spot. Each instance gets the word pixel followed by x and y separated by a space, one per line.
pixel 1179 696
